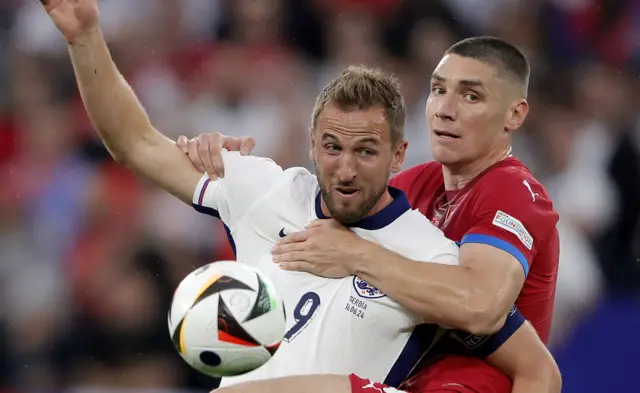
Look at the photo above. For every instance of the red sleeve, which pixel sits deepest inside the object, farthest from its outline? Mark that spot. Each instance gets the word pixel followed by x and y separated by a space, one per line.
pixel 512 212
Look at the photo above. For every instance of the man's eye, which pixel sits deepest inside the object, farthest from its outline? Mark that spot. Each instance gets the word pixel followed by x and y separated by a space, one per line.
pixel 332 148
pixel 471 97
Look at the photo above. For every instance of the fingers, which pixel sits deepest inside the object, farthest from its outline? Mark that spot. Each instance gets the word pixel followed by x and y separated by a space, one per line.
pixel 291 256
pixel 182 144
pixel 247 145
pixel 297 237
pixel 192 151
pixel 47 5
pixel 298 266
pixel 216 145
pixel 205 149
pixel 244 144
pixel 280 249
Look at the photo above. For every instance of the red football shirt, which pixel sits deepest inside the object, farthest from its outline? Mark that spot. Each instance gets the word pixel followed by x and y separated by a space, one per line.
pixel 505 207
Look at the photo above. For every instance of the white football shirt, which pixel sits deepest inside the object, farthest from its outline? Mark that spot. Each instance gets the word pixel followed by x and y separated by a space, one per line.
pixel 334 326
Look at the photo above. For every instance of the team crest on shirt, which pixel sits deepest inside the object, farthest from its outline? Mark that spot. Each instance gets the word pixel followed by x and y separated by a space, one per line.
pixel 365 290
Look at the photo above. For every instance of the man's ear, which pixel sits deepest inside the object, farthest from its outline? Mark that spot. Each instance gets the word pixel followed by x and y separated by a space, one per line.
pixel 517 115
pixel 398 157
pixel 312 146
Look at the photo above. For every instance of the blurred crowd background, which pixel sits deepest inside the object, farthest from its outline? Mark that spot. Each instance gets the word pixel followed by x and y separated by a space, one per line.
pixel 89 255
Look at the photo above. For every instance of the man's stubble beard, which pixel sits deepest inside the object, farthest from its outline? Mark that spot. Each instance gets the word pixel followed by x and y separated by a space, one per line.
pixel 353 215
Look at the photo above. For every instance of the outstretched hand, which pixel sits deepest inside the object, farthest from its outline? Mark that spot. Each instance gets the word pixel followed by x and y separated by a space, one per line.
pixel 73 17
pixel 205 151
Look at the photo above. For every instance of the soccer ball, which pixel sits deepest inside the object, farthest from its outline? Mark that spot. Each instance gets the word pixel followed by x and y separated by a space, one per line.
pixel 226 319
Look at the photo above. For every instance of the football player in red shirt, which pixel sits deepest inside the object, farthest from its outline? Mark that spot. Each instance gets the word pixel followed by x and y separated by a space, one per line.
pixel 478 194
pixel 477 100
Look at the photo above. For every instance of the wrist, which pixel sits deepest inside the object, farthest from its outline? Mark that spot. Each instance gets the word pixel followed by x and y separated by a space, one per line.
pixel 363 258
pixel 86 37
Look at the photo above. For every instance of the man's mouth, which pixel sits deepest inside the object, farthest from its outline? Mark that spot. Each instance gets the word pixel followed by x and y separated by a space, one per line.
pixel 446 134
pixel 346 191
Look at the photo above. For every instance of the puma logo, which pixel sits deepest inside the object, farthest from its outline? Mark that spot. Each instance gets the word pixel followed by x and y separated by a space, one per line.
pixel 533 194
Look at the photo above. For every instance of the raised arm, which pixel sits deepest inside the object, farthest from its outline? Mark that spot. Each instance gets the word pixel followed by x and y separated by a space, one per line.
pixel 112 106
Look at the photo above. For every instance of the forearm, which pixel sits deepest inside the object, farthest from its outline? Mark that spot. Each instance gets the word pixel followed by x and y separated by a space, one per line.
pixel 122 122
pixel 110 102
pixel 527 362
pixel 451 296
pixel 536 385
pixel 542 377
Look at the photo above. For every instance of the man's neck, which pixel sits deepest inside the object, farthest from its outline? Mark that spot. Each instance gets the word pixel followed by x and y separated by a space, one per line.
pixel 456 178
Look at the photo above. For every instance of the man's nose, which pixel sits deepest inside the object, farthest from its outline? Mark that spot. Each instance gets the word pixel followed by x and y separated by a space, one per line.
pixel 446 109
pixel 347 168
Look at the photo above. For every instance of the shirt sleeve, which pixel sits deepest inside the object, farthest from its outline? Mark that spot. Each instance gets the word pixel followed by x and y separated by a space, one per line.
pixel 447 254
pixel 513 213
pixel 247 179
pixel 483 346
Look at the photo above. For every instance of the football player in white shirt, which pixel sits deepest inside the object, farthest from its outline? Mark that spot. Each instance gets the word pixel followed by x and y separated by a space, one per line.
pixel 357 142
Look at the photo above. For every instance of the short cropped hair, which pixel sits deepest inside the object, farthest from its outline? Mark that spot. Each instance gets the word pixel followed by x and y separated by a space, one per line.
pixel 497 52
pixel 359 88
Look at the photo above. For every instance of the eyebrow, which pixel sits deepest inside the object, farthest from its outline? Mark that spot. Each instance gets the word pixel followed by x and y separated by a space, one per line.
pixel 463 82
pixel 329 137
pixel 373 141
pixel 333 138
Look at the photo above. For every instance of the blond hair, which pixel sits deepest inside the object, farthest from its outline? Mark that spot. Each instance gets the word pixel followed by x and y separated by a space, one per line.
pixel 359 88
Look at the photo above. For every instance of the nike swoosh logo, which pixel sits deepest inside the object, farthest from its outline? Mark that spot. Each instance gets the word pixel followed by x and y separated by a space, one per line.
pixel 282 234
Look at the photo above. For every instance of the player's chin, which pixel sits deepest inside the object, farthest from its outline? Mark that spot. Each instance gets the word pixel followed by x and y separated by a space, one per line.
pixel 345 204
pixel 445 154
pixel 347 215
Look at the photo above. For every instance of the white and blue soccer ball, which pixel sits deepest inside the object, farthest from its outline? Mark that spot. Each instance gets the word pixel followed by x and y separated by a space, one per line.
pixel 226 319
